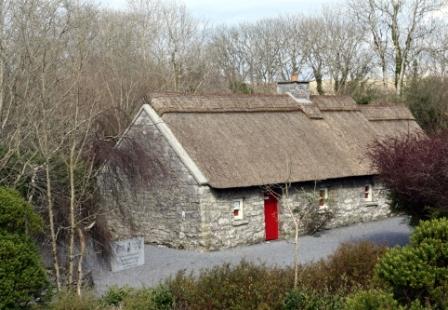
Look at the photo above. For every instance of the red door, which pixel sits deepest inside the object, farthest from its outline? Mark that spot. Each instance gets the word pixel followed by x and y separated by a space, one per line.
pixel 271 217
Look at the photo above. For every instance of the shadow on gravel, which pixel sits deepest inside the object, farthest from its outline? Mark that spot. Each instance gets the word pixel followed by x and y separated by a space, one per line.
pixel 387 238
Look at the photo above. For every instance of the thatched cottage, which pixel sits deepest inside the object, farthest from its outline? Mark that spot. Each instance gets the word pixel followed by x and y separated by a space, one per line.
pixel 222 153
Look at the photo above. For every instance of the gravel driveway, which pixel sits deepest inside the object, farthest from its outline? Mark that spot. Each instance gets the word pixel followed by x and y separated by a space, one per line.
pixel 162 262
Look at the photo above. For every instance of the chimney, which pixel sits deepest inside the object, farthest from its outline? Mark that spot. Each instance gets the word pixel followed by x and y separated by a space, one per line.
pixel 295 76
pixel 299 90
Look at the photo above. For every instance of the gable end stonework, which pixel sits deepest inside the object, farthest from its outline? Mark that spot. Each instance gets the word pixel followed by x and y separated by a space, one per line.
pixel 167 209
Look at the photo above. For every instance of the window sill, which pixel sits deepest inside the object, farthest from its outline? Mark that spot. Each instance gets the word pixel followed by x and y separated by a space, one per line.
pixel 239 222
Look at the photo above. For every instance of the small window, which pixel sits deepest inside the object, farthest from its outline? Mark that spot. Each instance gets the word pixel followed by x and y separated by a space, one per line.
pixel 237 212
pixel 323 197
pixel 368 193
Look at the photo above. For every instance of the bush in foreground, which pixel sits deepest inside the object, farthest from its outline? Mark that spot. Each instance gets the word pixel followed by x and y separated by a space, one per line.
pixel 23 279
pixel 371 300
pixel 349 268
pixel 69 300
pixel 22 276
pixel 247 285
pixel 16 215
pixel 436 229
pixel 311 300
pixel 115 295
pixel 158 298
pixel 322 285
pixel 419 272
pixel 228 287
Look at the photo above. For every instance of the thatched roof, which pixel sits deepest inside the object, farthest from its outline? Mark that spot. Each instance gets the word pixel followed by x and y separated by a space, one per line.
pixel 240 141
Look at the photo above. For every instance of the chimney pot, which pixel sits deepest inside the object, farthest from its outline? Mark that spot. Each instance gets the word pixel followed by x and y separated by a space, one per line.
pixel 295 76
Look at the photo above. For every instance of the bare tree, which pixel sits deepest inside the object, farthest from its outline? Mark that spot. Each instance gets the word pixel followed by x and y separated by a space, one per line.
pixel 294 50
pixel 407 23
pixel 346 55
pixel 316 45
pixel 306 209
pixel 374 23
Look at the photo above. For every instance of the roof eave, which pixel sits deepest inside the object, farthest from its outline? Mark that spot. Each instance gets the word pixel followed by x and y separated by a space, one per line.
pixel 222 186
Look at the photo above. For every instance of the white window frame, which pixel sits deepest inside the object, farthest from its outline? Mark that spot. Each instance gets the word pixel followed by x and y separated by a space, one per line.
pixel 240 209
pixel 325 198
pixel 368 193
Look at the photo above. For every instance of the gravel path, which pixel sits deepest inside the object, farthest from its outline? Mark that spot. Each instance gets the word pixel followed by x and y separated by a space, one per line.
pixel 162 262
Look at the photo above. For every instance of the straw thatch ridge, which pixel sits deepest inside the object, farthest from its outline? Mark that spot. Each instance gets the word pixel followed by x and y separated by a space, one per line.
pixel 335 103
pixel 387 113
pixel 169 103
pixel 241 141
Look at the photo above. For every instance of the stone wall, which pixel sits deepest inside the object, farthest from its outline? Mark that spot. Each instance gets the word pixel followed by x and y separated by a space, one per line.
pixel 345 200
pixel 219 229
pixel 164 210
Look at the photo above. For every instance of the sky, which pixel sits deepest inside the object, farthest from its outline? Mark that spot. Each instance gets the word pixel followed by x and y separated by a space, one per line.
pixel 235 11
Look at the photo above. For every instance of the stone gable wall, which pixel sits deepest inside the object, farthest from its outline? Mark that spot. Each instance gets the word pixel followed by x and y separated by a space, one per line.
pixel 163 211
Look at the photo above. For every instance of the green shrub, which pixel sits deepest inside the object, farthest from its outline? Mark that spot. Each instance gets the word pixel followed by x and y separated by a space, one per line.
pixel 426 98
pixel 295 300
pixel 371 300
pixel 248 285
pixel 240 87
pixel 417 305
pixel 436 229
pixel 419 271
pixel 159 298
pixel 162 298
pixel 69 300
pixel 245 286
pixel 16 215
pixel 310 301
pixel 362 91
pixel 138 300
pixel 115 295
pixel 349 268
pixel 412 272
pixel 22 276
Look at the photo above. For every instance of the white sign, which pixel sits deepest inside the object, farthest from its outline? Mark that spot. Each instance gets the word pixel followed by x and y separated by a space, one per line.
pixel 127 254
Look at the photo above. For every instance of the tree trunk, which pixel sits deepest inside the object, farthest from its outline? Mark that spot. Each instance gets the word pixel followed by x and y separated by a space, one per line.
pixel 384 73
pixel 395 34
pixel 296 234
pixel 72 227
pixel 296 253
pixel 319 84
pixel 2 62
pixel 401 77
pixel 336 86
pixel 82 248
pixel 54 246
pixel 1 86
pixel 398 70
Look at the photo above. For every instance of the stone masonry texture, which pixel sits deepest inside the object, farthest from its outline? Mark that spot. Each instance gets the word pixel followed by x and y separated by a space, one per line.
pixel 345 200
pixel 164 209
